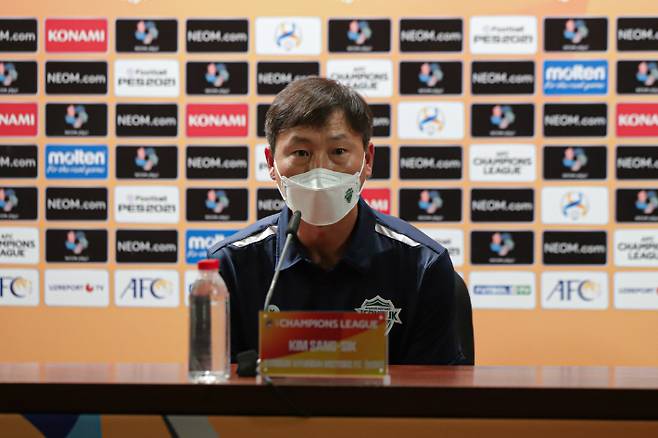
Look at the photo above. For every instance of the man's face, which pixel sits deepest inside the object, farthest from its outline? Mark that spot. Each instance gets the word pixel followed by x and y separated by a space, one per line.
pixel 333 146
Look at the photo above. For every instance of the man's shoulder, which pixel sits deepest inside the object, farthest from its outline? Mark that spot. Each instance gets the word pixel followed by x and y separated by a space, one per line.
pixel 255 233
pixel 401 231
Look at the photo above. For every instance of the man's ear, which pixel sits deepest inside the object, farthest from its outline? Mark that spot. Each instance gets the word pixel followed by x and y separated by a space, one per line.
pixel 370 160
pixel 269 157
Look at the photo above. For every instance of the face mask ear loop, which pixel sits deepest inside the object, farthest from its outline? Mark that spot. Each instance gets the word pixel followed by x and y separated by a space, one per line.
pixel 282 191
pixel 363 164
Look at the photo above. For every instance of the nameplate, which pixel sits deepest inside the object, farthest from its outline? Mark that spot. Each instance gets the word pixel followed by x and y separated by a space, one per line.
pixel 312 344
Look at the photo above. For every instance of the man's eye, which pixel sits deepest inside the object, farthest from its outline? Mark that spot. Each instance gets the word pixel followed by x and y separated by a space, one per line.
pixel 340 151
pixel 301 153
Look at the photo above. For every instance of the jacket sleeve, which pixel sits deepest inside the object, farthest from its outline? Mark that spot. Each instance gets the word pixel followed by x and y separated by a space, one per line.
pixel 434 338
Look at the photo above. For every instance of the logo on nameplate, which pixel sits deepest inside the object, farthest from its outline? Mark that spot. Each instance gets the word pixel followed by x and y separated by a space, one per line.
pixel 430 162
pixel 575 162
pixel 369 77
pixel 76 161
pixel 502 162
pixel 507 35
pixel 19 161
pixel 146 36
pixel 431 205
pixel 18 77
pixel 430 35
pixel 19 245
pixel 18 35
pixel 575 120
pixel 359 35
pixel 502 247
pixel 74 245
pixel 146 120
pixel 147 246
pixel 217 204
pixel 430 77
pixel 18 119
pixel 217 36
pixel 502 120
pixel 217 78
pixel 637 34
pixel 146 78
pixel 18 203
pixel 19 287
pixel 217 120
pixel 381 119
pixel 76 203
pixel 637 162
pixel 76 77
pixel 288 36
pixel 76 119
pixel 575 34
pixel 147 162
pixel 574 248
pixel 503 77
pixel 76 35
pixel 272 77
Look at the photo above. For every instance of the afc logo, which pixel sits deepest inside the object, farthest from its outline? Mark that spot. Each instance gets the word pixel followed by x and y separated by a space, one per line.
pixel 140 288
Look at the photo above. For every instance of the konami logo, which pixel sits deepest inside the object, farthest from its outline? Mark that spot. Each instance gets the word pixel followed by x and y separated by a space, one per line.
pixel 637 119
pixel 18 119
pixel 217 120
pixel 76 35
pixel 378 199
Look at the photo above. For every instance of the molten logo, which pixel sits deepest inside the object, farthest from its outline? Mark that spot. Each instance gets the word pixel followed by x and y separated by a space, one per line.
pixel 18 119
pixel 76 35
pixel 220 120
pixel 637 119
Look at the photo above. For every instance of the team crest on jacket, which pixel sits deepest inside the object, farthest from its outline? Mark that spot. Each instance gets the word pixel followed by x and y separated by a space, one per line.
pixel 379 305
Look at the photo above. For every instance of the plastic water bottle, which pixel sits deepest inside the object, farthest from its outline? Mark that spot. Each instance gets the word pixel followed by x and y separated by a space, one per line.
pixel 210 340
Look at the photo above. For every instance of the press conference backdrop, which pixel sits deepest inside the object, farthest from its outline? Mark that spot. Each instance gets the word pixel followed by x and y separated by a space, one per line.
pixel 523 136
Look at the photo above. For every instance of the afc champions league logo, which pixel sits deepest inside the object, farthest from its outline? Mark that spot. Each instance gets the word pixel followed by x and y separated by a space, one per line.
pixel 8 200
pixel 76 116
pixel 216 74
pixel 575 31
pixel 146 158
pixel 76 242
pixel 146 32
pixel 216 201
pixel 8 73
pixel 501 243
pixel 288 35
pixel 431 120
pixel 380 305
pixel 574 205
pixel 502 116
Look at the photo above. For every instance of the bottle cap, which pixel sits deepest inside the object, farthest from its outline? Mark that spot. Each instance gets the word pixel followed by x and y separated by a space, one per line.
pixel 208 265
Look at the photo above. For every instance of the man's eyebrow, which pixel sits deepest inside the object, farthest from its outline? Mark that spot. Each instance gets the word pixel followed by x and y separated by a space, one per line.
pixel 296 139
pixel 339 136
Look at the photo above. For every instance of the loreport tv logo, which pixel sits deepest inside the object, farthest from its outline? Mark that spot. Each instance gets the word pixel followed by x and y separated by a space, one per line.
pixel 637 162
pixel 146 36
pixel 502 247
pixel 431 120
pixel 19 287
pixel 450 239
pixel 76 204
pixel 508 35
pixel 146 120
pixel 431 205
pixel 430 35
pixel 586 290
pixel 146 78
pixel 503 77
pixel 430 162
pixel 213 204
pixel 378 199
pixel 146 162
pixel 19 161
pixel 76 161
pixel 19 245
pixel 502 205
pixel 502 120
pixel 217 78
pixel 146 204
pixel 637 205
pixel 636 248
pixel 574 248
pixel 637 119
pixel 575 205
pixel 575 162
pixel 575 77
pixel 576 34
pixel 575 120
pixel 502 162
pixel 76 35
pixel 369 77
pixel 272 77
pixel 18 35
pixel 637 77
pixel 76 77
pixel 76 245
pixel 18 77
pixel 636 290
pixel 217 120
pixel 77 288
pixel 217 162
pixel 430 77
pixel 146 288
pixel 198 242
pixel 288 36
pixel 637 34
pixel 18 119
pixel 502 290
pixel 147 246
pixel 217 36
pixel 76 120
pixel 359 36
pixel 18 203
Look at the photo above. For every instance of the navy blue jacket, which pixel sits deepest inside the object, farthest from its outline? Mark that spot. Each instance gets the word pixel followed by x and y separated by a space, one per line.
pixel 388 265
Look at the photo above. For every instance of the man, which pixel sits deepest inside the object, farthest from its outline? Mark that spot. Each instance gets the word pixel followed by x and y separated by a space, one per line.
pixel 348 256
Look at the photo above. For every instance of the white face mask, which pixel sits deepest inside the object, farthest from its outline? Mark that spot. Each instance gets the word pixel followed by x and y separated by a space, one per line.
pixel 323 196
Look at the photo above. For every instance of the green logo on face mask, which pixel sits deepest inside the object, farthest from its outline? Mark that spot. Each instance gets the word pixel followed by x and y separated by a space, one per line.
pixel 348 195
